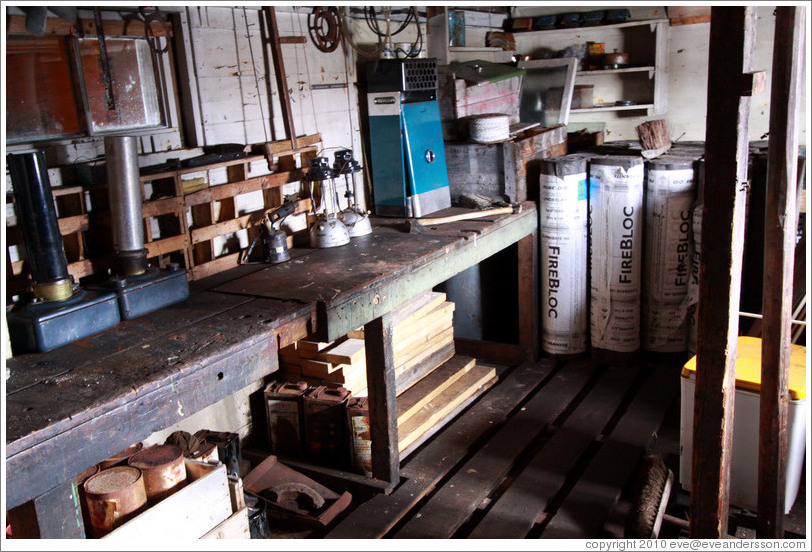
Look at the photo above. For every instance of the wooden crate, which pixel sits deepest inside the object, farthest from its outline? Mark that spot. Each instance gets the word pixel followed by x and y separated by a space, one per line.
pixel 459 99
pixel 507 170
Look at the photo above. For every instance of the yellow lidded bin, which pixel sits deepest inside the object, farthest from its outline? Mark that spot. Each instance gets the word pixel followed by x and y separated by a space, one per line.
pixel 744 464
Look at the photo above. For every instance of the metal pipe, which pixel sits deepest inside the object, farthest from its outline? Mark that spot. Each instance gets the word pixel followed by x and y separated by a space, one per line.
pixel 124 186
pixel 37 215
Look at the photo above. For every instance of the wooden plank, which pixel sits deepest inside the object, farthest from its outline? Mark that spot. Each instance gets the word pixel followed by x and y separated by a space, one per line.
pixel 425 390
pixel 189 513
pixel 232 189
pixel 382 399
pixel 779 259
pixel 279 72
pixel 164 246
pixel 217 265
pixel 317 368
pixel 407 376
pixel 164 206
pixel 418 356
pixel 351 351
pixel 448 509
pixel 76 223
pixel 437 408
pixel 234 527
pixel 521 505
pixel 55 514
pixel 417 307
pixel 726 149
pixel 528 289
pixel 588 505
pixel 59 27
pixel 280 147
pixel 374 518
pixel 211 231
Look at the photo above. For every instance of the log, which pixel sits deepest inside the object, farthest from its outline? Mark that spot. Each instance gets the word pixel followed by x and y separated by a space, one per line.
pixel 654 138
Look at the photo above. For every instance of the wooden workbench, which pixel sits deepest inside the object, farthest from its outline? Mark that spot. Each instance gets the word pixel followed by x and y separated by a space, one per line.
pixel 73 407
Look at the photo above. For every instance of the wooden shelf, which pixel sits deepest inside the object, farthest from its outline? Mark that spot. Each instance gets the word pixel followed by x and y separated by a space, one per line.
pixel 596 72
pixel 599 28
pixel 611 108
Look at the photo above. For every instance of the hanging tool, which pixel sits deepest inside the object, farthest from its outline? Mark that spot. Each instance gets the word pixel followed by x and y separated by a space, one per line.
pixel 274 239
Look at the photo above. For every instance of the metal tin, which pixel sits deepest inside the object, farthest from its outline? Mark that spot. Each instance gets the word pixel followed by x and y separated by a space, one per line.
pixel 114 496
pixel 120 458
pixel 80 486
pixel 283 407
pixel 360 436
pixel 325 420
pixel 163 469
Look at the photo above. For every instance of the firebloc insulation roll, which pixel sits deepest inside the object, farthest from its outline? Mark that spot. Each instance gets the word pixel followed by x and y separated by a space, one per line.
pixel 615 229
pixel 670 194
pixel 563 234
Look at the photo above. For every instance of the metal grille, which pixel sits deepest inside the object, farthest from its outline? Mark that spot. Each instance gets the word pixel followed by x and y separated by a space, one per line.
pixel 420 74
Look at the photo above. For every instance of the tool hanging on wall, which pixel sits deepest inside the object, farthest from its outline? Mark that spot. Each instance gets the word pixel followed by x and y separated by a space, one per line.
pixel 324 28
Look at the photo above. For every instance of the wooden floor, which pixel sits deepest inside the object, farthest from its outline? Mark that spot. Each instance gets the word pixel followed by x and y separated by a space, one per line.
pixel 547 452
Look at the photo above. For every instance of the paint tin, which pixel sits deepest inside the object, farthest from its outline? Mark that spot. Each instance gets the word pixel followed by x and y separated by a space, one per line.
pixel 283 407
pixel 163 469
pixel 563 247
pixel 616 186
pixel 670 195
pixel 114 496
pixel 120 458
pixel 325 416
pixel 360 436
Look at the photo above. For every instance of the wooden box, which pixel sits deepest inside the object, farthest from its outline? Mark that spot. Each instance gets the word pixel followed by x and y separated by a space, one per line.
pixel 507 170
pixel 459 99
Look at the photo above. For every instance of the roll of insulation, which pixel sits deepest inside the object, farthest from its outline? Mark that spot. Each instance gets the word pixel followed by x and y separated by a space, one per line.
pixel 670 196
pixel 616 186
pixel 563 245
pixel 696 242
pixel 489 128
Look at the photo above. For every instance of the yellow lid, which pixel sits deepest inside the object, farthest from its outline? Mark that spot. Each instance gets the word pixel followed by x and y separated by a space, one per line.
pixel 748 367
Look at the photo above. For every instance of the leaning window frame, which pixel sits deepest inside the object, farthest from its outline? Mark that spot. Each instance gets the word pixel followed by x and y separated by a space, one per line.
pixel 160 87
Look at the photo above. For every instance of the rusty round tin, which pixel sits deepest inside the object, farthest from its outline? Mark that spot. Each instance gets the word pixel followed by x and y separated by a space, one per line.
pixel 114 496
pixel 80 487
pixel 163 469
pixel 120 458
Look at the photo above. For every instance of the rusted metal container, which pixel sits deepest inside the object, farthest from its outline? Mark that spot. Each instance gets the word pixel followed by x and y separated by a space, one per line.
pixel 114 496
pixel 283 406
pixel 120 458
pixel 360 436
pixel 325 415
pixel 163 469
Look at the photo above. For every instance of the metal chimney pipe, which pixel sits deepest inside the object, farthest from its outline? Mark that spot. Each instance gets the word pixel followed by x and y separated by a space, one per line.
pixel 124 186
pixel 37 214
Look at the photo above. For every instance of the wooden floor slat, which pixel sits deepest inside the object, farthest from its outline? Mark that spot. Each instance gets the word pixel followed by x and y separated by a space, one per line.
pixel 589 503
pixel 448 509
pixel 517 510
pixel 377 516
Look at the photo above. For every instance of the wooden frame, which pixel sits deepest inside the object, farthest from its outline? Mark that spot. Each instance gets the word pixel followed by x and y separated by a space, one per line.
pixel 570 64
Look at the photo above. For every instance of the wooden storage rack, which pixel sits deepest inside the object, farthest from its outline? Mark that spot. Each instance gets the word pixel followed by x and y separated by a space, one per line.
pixel 84 219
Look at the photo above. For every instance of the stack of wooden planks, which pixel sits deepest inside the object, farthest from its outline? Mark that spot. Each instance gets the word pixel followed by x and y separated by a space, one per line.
pixel 423 337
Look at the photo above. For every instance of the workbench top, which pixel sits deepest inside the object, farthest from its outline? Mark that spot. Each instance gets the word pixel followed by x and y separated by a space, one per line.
pixel 77 405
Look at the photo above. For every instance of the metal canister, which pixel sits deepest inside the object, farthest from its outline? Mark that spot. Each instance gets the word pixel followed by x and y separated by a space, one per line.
pixel 283 407
pixel 325 415
pixel 360 436
pixel 120 458
pixel 163 469
pixel 114 496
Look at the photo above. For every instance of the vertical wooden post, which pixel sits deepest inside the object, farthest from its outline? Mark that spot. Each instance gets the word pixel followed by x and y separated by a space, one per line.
pixel 529 329
pixel 281 78
pixel 726 149
pixel 383 414
pixel 779 257
pixel 56 514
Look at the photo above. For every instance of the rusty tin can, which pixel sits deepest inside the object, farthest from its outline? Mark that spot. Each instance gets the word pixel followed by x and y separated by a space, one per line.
pixel 80 487
pixel 163 469
pixel 120 458
pixel 114 496
pixel 283 407
pixel 325 415
pixel 360 436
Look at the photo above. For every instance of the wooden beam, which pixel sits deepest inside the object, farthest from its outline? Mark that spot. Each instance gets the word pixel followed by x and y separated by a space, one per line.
pixel 779 257
pixel 383 415
pixel 529 328
pixel 59 27
pixel 279 70
pixel 730 53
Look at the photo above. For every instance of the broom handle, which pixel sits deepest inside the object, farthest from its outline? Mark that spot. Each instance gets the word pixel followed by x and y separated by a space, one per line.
pixel 472 215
